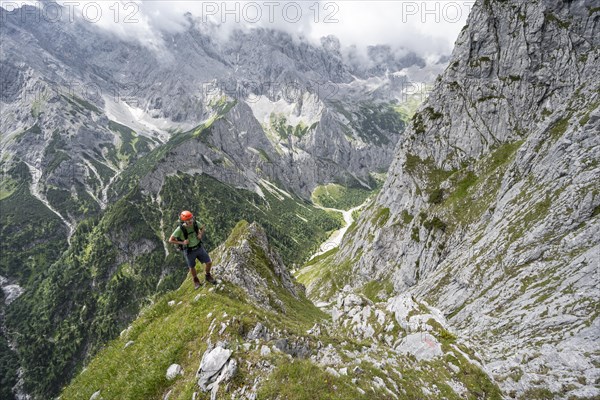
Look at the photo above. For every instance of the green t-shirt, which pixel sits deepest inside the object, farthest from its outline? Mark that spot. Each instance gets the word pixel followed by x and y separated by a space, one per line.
pixel 191 235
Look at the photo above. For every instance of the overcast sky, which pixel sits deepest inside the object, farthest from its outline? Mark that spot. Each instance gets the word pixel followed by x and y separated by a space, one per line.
pixel 426 27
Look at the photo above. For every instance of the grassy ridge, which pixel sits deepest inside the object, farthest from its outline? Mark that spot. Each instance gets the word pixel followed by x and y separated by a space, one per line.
pixel 180 324
pixel 179 334
pixel 166 334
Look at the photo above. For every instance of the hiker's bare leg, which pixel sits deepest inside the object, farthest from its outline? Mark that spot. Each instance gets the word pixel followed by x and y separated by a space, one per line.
pixel 194 274
pixel 207 267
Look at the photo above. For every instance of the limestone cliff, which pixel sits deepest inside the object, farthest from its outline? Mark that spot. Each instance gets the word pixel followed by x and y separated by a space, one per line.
pixel 490 210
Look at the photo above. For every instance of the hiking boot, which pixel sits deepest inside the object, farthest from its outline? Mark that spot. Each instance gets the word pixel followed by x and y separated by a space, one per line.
pixel 196 284
pixel 210 279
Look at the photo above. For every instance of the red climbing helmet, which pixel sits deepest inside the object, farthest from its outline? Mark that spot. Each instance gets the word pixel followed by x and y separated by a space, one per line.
pixel 186 216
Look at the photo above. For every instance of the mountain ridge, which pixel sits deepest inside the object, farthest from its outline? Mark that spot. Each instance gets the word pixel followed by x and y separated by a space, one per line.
pixel 359 349
pixel 126 85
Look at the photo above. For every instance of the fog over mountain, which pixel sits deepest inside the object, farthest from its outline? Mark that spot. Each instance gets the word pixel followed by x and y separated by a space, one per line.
pixel 427 29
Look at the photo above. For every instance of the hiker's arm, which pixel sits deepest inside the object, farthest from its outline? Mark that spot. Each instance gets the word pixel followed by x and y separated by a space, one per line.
pixel 174 240
pixel 201 233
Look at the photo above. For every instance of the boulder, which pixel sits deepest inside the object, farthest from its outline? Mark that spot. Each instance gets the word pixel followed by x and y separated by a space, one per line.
pixel 210 366
pixel 422 345
pixel 173 371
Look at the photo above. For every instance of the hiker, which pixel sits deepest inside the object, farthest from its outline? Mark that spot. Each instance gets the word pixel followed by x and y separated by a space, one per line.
pixel 190 241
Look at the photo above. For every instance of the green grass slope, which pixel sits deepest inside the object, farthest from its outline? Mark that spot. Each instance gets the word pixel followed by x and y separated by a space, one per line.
pixel 181 325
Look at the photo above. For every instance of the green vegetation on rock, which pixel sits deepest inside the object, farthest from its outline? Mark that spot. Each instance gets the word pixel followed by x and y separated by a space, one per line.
pixel 7 187
pixel 132 145
pixel 80 105
pixel 381 217
pixel 278 123
pixel 378 290
pixel 326 274
pixel 302 379
pixel 411 102
pixel 373 122
pixel 33 237
pixel 26 220
pixel 473 190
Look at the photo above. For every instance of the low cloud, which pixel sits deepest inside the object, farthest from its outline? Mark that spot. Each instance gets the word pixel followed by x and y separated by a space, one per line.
pixel 423 27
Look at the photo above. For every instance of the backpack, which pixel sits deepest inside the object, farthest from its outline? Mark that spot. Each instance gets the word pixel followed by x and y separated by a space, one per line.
pixel 180 247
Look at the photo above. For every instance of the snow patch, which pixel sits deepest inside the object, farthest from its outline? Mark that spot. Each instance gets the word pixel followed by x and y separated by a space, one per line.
pixel 140 121
pixel 310 110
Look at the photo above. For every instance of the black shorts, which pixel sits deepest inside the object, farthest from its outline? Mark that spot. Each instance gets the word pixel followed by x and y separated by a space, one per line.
pixel 197 253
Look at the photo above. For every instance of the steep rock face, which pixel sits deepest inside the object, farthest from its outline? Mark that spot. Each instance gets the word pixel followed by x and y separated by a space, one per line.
pixel 238 150
pixel 490 210
pixel 288 61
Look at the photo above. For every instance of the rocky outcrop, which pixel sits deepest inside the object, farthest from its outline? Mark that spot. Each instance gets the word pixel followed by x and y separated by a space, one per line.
pixel 174 371
pixel 10 291
pixel 216 366
pixel 490 209
pixel 247 261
